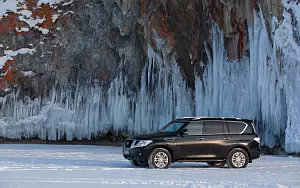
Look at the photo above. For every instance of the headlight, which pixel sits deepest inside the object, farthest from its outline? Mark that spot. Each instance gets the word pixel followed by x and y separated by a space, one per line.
pixel 141 143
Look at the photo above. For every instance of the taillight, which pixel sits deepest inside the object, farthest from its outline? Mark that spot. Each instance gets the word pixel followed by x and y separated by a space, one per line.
pixel 257 139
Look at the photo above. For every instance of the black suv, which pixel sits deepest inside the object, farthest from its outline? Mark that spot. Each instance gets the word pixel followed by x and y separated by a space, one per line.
pixel 217 141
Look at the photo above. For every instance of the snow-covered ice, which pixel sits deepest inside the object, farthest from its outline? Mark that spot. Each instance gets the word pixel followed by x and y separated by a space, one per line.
pixel 99 166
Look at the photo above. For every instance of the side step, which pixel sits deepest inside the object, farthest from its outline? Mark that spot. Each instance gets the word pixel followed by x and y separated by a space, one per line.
pixel 200 160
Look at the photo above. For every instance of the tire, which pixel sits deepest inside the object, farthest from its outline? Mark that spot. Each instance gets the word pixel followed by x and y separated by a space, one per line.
pixel 159 158
pixel 216 164
pixel 237 158
pixel 137 164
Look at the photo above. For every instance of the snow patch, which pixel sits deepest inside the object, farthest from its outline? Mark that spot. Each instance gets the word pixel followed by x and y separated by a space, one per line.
pixel 9 54
pixel 69 12
pixel 27 13
pixel 55 17
pixel 20 51
pixel 28 73
pixel 50 2
pixel 68 3
pixel 3 60
pixel 10 6
pixel 43 30
pixel 23 29
pixel 31 21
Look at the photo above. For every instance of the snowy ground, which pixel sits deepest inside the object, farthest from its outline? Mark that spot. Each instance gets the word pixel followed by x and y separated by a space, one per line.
pixel 98 166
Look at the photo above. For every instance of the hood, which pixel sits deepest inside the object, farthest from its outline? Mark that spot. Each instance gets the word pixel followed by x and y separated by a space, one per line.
pixel 153 136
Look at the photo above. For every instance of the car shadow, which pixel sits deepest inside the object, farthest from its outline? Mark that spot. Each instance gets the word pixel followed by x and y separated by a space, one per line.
pixel 106 164
pixel 195 167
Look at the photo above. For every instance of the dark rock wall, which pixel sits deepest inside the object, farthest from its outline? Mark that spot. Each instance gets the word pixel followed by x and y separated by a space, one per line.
pixel 93 40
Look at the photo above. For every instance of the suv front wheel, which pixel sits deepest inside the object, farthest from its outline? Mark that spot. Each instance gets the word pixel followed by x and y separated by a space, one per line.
pixel 237 158
pixel 159 158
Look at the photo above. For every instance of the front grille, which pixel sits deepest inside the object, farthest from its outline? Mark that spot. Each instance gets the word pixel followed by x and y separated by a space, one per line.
pixel 128 143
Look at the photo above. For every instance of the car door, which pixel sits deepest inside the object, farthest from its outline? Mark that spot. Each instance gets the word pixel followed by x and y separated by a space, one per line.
pixel 192 145
pixel 216 138
pixel 236 137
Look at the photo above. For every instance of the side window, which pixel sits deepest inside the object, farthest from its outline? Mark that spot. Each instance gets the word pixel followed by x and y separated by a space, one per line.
pixel 235 127
pixel 194 128
pixel 249 130
pixel 214 127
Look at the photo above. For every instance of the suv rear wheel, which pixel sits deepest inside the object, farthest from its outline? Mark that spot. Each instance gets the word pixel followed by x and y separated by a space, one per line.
pixel 159 158
pixel 237 158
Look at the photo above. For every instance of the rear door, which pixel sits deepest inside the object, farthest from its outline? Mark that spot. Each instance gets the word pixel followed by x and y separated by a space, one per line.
pixel 216 138
pixel 240 132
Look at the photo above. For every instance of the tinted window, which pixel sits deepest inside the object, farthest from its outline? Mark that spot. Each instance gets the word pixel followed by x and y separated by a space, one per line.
pixel 235 127
pixel 249 130
pixel 194 128
pixel 172 127
pixel 214 127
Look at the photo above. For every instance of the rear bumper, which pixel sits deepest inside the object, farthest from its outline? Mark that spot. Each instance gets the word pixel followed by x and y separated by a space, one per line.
pixel 255 153
pixel 255 150
pixel 138 154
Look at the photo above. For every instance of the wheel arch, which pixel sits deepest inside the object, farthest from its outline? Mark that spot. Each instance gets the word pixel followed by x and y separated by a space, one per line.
pixel 164 147
pixel 244 148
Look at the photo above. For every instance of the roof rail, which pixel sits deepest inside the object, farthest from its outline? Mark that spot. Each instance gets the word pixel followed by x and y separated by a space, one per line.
pixel 201 117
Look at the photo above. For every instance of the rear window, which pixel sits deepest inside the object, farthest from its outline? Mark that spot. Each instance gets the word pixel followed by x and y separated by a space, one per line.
pixel 214 127
pixel 236 127
pixel 249 130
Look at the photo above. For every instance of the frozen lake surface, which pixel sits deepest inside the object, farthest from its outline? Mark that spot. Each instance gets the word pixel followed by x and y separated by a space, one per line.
pixel 75 166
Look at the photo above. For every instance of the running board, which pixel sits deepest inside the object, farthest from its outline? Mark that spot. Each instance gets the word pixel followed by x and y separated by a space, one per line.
pixel 199 160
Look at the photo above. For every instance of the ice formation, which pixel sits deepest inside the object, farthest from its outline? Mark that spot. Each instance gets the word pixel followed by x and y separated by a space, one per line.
pixel 287 40
pixel 251 88
pixel 264 87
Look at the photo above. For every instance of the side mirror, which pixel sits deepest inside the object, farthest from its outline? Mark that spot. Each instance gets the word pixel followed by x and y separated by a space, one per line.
pixel 184 132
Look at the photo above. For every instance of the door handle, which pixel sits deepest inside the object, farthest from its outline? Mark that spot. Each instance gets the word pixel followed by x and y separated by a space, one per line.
pixel 200 138
pixel 226 138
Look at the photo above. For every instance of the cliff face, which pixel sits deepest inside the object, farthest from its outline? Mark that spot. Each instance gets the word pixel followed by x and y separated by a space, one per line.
pixel 70 38
pixel 79 68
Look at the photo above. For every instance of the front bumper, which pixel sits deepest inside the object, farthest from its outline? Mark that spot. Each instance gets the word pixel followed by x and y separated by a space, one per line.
pixel 138 154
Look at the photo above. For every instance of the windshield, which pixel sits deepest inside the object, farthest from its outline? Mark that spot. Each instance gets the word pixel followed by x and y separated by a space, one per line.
pixel 172 127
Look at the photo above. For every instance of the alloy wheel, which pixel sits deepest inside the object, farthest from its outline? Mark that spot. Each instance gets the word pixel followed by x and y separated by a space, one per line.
pixel 161 160
pixel 238 159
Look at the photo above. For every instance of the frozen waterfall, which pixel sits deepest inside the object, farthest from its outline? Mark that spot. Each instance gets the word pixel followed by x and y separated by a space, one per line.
pixel 265 87
pixel 251 88
pixel 86 113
